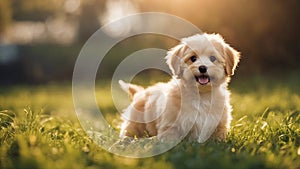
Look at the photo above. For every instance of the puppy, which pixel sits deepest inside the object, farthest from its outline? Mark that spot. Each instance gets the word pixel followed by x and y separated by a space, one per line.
pixel 195 102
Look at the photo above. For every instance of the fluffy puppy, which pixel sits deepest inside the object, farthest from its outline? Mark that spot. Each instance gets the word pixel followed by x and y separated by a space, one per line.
pixel 195 102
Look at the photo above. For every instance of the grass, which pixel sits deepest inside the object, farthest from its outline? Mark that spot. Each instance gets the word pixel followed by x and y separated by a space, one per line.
pixel 39 129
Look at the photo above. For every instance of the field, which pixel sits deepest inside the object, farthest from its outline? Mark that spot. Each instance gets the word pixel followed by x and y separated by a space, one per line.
pixel 39 129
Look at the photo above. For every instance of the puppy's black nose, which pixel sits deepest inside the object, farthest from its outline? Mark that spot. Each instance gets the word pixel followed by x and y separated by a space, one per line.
pixel 202 69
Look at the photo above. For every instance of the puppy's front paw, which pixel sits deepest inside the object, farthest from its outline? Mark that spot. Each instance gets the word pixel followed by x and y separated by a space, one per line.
pixel 220 134
pixel 221 137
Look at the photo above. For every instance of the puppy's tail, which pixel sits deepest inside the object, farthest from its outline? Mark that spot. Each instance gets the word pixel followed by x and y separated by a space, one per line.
pixel 131 89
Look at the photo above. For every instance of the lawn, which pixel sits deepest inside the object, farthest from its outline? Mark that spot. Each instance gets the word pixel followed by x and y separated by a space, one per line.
pixel 39 129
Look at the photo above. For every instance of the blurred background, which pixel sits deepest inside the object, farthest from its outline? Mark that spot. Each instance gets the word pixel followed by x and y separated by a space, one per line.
pixel 40 40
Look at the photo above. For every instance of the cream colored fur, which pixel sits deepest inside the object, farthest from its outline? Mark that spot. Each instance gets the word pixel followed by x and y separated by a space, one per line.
pixel 193 103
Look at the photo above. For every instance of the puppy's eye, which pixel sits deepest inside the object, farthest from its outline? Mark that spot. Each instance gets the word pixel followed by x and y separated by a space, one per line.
pixel 212 58
pixel 193 58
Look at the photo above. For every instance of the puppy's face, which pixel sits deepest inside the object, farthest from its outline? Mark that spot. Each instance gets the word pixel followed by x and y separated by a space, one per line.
pixel 203 59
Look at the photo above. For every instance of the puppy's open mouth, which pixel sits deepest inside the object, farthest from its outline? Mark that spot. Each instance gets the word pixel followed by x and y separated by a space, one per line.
pixel 202 79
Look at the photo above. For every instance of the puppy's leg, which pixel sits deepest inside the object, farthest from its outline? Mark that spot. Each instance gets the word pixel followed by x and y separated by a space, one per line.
pixel 133 126
pixel 132 129
pixel 221 133
pixel 151 128
pixel 222 129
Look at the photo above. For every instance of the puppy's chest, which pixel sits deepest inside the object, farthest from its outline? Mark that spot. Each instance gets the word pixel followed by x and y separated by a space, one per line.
pixel 196 110
pixel 205 104
pixel 197 107
pixel 200 113
pixel 193 111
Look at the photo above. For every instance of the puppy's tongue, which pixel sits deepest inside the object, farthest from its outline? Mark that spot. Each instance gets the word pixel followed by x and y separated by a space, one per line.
pixel 203 80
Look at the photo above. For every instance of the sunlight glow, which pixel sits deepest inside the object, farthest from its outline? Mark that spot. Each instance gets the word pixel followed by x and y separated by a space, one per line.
pixel 115 9
pixel 72 5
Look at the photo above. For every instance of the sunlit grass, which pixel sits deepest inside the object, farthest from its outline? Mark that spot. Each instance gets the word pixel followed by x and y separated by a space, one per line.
pixel 39 129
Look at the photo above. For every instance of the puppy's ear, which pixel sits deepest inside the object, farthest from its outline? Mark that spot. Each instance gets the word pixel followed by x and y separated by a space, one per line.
pixel 174 59
pixel 131 89
pixel 230 55
pixel 232 58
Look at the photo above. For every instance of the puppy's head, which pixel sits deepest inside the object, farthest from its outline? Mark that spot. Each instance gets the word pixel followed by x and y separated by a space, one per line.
pixel 207 58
